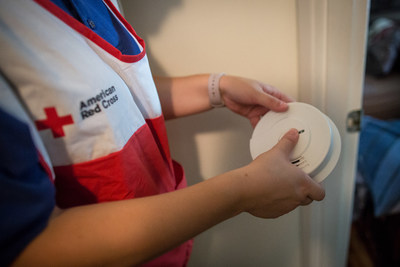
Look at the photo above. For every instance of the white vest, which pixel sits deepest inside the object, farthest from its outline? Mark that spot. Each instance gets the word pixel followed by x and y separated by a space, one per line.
pixel 94 114
pixel 96 110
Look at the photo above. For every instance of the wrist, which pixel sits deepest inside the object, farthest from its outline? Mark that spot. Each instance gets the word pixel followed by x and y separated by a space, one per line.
pixel 238 188
pixel 214 90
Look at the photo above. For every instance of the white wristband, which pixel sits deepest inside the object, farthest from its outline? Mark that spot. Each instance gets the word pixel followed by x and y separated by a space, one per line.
pixel 213 90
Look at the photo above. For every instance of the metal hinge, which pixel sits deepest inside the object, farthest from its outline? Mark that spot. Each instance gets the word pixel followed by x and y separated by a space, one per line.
pixel 353 122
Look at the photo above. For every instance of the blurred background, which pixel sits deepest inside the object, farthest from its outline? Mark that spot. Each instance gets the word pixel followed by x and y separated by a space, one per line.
pixel 375 235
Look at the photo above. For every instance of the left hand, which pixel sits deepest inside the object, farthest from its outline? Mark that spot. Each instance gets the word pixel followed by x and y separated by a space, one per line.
pixel 251 98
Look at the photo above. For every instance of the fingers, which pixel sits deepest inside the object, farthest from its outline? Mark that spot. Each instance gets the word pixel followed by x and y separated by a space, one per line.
pixel 317 194
pixel 288 141
pixel 272 102
pixel 315 190
pixel 271 90
pixel 306 202
pixel 254 121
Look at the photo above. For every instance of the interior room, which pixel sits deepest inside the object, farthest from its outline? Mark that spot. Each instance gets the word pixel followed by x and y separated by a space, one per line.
pixel 108 162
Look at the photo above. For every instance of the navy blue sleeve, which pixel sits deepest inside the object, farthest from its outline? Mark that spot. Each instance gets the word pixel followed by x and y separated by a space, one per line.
pixel 26 191
pixel 96 16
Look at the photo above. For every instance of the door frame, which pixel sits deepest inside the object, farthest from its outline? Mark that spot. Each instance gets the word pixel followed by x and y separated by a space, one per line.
pixel 332 43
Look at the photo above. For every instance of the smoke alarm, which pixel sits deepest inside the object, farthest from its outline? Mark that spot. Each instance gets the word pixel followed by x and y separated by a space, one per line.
pixel 318 149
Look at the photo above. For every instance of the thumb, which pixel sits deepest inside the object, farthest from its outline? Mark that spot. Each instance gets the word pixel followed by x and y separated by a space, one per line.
pixel 288 141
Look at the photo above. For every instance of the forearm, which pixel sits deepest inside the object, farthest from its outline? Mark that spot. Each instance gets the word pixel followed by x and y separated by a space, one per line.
pixel 189 95
pixel 132 231
pixel 183 96
pixel 129 232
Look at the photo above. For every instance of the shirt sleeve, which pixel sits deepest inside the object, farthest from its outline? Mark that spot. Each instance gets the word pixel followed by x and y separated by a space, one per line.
pixel 26 191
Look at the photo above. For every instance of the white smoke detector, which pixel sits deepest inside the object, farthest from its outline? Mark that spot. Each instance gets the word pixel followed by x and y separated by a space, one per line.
pixel 319 145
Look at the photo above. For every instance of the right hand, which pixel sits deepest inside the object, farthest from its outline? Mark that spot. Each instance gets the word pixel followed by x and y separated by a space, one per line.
pixel 251 98
pixel 272 186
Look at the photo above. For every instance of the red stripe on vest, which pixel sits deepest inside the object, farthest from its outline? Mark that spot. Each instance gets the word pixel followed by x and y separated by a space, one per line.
pixel 142 168
pixel 45 166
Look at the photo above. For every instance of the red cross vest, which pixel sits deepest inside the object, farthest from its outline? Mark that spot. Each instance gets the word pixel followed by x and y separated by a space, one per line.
pixel 95 112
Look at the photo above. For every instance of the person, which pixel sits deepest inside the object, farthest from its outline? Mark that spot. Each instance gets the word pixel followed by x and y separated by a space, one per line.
pixel 79 107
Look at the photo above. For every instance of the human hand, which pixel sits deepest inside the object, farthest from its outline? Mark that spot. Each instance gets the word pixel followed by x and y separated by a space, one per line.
pixel 251 98
pixel 272 186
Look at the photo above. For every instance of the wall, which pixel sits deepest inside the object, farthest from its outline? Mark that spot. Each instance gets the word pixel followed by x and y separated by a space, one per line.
pixel 251 38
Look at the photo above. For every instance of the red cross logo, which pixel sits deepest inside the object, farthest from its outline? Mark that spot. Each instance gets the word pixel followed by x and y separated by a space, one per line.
pixel 54 122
